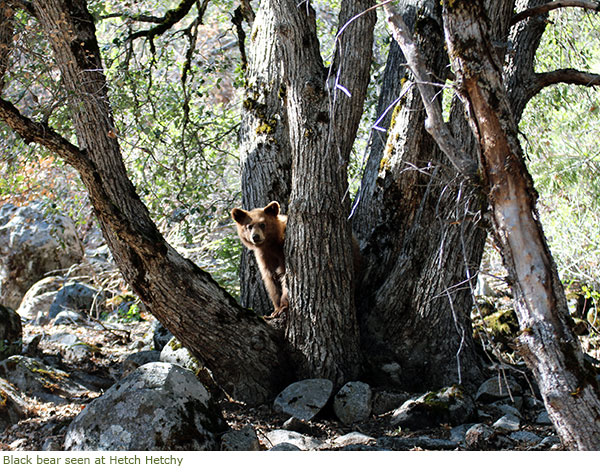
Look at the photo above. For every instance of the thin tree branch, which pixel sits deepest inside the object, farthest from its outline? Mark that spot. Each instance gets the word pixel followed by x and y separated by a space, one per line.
pixel 170 18
pixel 435 123
pixel 541 9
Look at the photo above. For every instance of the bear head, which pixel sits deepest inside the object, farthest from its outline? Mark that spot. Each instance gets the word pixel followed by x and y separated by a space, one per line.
pixel 260 226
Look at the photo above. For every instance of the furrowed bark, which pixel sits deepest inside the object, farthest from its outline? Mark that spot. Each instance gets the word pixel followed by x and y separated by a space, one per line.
pixel 265 151
pixel 321 328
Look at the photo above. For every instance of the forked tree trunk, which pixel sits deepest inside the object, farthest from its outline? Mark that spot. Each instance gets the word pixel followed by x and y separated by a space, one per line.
pixel 420 226
pixel 245 355
pixel 568 387
pixel 321 329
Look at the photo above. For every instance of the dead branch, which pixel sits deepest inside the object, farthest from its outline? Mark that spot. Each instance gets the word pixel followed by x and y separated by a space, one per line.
pixel 435 123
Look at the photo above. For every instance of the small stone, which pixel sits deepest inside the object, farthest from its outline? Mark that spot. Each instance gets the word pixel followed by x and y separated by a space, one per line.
pixel 525 437
pixel 244 439
pixel 508 422
pixel 284 446
pixel 303 442
pixel 507 409
pixel 496 388
pixel 298 425
pixel 386 401
pixel 353 402
pixel 353 438
pixel 458 433
pixel 543 419
pixel 478 437
pixel 304 399
pixel 447 406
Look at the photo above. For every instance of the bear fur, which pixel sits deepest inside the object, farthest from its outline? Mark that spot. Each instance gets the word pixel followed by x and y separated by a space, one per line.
pixel 263 231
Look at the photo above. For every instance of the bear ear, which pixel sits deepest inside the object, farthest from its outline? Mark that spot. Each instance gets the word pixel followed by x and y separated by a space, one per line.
pixel 240 216
pixel 272 208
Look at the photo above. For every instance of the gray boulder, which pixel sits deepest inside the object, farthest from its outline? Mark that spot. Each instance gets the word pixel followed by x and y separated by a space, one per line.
pixel 497 388
pixel 353 403
pixel 76 297
pixel 447 406
pixel 33 241
pixel 304 399
pixel 12 406
pixel 35 379
pixel 159 406
pixel 11 333
pixel 37 300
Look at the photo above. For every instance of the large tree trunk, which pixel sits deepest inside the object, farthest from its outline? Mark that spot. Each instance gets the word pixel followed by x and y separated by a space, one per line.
pixel 245 355
pixel 419 225
pixel 264 144
pixel 569 388
pixel 321 328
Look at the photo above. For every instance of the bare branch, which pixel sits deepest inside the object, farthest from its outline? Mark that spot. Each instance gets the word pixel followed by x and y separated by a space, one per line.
pixel 568 76
pixel 435 123
pixel 565 76
pixel 541 9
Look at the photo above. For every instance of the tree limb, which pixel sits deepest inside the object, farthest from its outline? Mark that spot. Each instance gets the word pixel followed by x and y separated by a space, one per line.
pixel 567 76
pixel 435 123
pixel 42 134
pixel 167 21
pixel 541 9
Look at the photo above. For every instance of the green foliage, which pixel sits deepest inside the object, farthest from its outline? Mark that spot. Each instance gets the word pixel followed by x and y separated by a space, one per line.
pixel 560 126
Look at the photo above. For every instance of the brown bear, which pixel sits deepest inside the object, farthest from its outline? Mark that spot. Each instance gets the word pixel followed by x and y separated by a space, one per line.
pixel 263 231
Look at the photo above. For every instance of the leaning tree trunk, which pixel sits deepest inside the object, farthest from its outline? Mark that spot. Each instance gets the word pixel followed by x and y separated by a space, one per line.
pixel 264 145
pixel 321 328
pixel 568 387
pixel 244 354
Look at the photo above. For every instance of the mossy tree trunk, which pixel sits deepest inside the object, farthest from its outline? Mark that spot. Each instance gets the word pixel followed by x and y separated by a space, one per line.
pixel 265 152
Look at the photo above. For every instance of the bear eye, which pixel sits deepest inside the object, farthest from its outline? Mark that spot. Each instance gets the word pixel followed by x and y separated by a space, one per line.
pixel 250 226
pixel 262 225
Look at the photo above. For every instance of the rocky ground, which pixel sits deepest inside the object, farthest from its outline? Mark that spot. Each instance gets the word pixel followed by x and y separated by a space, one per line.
pixel 84 367
pixel 95 356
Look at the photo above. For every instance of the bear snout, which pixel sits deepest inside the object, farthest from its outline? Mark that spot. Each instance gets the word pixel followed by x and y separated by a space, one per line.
pixel 257 238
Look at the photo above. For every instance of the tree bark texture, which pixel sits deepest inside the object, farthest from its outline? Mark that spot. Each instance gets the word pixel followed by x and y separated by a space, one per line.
pixel 244 353
pixel 568 387
pixel 418 224
pixel 321 329
pixel 264 144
